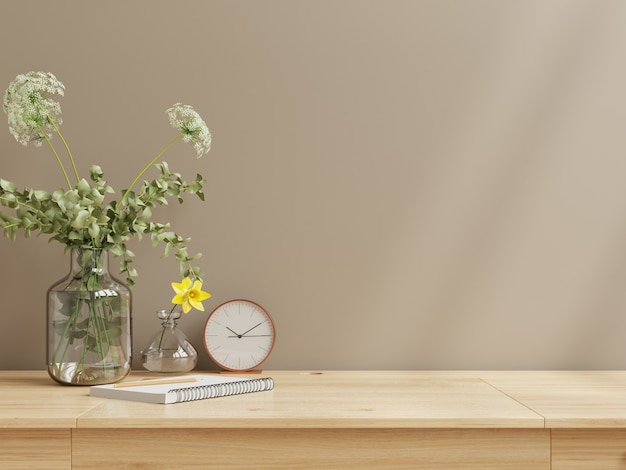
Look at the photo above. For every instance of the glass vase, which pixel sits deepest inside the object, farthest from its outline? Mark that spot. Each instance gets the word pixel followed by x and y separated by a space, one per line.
pixel 169 350
pixel 89 323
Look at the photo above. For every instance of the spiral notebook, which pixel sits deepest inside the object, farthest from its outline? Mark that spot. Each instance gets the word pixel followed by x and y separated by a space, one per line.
pixel 181 389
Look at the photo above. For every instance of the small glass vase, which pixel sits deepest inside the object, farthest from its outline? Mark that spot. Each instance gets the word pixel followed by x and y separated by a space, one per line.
pixel 169 351
pixel 89 323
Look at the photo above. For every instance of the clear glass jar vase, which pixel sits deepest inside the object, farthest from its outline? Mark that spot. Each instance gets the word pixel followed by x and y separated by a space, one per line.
pixel 169 350
pixel 89 323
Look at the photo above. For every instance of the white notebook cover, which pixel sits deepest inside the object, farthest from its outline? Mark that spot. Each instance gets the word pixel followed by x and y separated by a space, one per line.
pixel 205 386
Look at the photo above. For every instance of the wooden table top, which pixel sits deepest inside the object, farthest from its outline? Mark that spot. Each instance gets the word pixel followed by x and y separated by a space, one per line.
pixel 340 399
pixel 568 399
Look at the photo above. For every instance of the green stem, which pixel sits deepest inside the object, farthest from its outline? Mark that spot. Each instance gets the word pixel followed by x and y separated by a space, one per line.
pixel 191 273
pixel 165 149
pixel 67 179
pixel 89 283
pixel 19 203
pixel 100 333
pixel 67 148
pixel 165 326
pixel 69 326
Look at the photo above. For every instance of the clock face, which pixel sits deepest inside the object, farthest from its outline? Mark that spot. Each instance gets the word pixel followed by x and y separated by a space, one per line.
pixel 239 335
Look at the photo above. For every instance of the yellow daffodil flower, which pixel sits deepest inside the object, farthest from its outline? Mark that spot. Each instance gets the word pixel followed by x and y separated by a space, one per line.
pixel 189 294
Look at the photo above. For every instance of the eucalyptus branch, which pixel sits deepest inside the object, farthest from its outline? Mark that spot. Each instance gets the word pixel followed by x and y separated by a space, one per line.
pixel 16 201
pixel 145 168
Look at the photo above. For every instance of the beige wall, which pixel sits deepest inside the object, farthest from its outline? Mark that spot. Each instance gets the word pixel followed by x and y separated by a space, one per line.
pixel 402 184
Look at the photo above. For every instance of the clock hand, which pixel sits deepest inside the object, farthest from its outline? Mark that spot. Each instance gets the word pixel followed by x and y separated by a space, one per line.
pixel 236 334
pixel 244 334
pixel 247 336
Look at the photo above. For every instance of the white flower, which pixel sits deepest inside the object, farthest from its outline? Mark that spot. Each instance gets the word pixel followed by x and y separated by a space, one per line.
pixel 184 118
pixel 31 111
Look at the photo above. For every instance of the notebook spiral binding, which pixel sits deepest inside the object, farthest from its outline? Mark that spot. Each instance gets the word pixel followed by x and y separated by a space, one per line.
pixel 223 390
